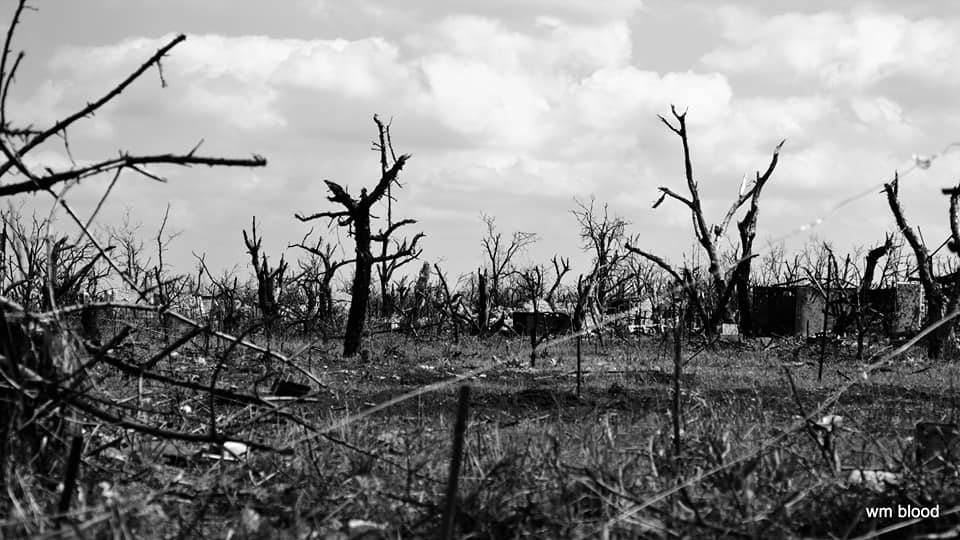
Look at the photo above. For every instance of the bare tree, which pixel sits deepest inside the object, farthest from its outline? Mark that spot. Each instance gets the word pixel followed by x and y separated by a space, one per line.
pixel 225 293
pixel 500 253
pixel 863 309
pixel 450 305
pixel 356 216
pixel 937 302
pixel 49 383
pixel 319 271
pixel 707 236
pixel 388 265
pixel 130 248
pixel 421 296
pixel 776 267
pixel 603 236
pixel 540 283
pixel 43 270
pixel 270 281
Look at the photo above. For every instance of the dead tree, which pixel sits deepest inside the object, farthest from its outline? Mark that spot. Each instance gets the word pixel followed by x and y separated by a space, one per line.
pixel 500 254
pixel 421 296
pixel 387 265
pixel 747 227
pixel 776 268
pixel 356 216
pixel 168 289
pixel 483 303
pixel 323 267
pixel 938 303
pixel 42 271
pixel 561 267
pixel 43 378
pixel 532 282
pixel 648 281
pixel 450 305
pixel 129 255
pixel 604 236
pixel 863 308
pixel 269 280
pixel 721 285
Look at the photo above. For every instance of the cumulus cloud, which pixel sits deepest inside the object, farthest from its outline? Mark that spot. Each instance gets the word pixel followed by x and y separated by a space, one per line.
pixel 528 101
pixel 850 50
pixel 523 10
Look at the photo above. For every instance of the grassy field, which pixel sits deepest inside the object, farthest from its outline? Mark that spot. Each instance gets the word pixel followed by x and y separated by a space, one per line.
pixel 539 460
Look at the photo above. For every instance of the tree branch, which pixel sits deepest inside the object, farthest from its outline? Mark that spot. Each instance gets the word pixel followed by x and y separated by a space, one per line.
pixel 658 261
pixel 403 250
pixel 677 196
pixel 386 179
pixel 37 183
pixel 383 236
pixel 92 107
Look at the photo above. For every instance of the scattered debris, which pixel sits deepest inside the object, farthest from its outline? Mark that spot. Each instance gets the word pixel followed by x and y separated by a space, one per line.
pixel 230 451
pixel 873 479
pixel 361 528
pixel 729 332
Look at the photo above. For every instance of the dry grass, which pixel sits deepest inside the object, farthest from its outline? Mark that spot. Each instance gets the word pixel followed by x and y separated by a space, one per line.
pixel 539 461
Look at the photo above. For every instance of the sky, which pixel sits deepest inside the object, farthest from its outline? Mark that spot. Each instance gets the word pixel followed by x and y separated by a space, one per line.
pixel 511 108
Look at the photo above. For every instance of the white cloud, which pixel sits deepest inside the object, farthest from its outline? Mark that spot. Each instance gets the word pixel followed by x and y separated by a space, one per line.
pixel 472 98
pixel 518 103
pixel 512 10
pixel 877 111
pixel 617 98
pixel 841 50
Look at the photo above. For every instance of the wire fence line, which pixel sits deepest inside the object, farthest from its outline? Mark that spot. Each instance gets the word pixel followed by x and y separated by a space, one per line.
pixel 916 162
pixel 795 428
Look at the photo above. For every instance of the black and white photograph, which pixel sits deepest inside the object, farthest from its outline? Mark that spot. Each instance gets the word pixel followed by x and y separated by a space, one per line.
pixel 373 269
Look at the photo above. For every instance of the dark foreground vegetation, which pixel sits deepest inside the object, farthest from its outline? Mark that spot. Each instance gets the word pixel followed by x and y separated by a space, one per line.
pixel 538 460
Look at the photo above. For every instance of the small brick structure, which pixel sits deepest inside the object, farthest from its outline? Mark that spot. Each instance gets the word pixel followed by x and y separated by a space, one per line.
pixel 544 322
pixel 800 309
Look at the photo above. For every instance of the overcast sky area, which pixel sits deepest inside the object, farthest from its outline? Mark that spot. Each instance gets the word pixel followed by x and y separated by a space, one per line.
pixel 508 107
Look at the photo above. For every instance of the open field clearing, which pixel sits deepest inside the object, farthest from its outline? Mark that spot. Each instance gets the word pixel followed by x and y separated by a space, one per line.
pixel 538 460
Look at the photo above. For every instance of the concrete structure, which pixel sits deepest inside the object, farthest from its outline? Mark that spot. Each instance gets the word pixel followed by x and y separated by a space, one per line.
pixel 525 321
pixel 800 309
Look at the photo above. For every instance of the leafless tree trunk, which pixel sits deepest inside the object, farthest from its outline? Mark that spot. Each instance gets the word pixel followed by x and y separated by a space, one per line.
pixel 707 236
pixel 936 300
pixel 324 252
pixel 500 254
pixel 356 216
pixel 270 281
pixel 483 316
pixel 748 233
pixel 603 235
pixel 421 295
pixel 866 282
pixel 449 303
pixel 388 265
pixel 584 293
